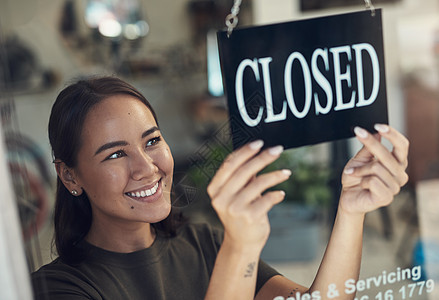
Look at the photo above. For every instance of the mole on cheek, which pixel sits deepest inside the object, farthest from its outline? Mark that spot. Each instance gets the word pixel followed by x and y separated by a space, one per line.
pixel 132 207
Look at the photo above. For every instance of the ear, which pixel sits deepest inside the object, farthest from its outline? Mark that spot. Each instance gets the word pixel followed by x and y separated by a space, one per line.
pixel 68 178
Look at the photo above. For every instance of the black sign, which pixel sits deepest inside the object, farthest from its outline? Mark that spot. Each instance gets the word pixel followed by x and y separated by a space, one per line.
pixel 305 82
pixel 306 5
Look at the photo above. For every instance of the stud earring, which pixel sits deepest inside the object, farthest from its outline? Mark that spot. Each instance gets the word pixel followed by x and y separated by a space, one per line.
pixel 74 192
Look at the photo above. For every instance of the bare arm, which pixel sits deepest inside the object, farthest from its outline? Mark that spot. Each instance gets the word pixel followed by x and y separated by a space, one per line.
pixel 237 196
pixel 370 180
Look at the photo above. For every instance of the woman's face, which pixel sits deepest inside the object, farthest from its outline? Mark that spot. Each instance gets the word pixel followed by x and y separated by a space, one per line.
pixel 124 164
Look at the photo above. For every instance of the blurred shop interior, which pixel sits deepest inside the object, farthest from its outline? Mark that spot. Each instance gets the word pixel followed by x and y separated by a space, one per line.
pixel 167 49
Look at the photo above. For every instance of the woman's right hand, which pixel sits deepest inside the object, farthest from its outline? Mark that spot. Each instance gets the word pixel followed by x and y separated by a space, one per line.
pixel 238 196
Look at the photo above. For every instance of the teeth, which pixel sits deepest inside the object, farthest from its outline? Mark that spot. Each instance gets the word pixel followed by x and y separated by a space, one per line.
pixel 146 193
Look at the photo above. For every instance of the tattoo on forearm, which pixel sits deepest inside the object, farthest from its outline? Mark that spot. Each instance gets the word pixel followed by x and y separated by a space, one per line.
pixel 250 269
pixel 293 292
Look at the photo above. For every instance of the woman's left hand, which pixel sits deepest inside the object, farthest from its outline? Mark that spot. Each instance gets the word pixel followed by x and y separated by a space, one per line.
pixel 375 175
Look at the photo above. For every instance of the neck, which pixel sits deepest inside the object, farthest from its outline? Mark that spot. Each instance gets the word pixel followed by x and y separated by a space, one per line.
pixel 124 239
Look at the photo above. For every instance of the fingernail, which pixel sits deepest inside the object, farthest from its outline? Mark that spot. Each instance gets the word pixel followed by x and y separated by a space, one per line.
pixel 381 128
pixel 286 172
pixel 282 193
pixel 256 144
pixel 349 171
pixel 360 132
pixel 276 150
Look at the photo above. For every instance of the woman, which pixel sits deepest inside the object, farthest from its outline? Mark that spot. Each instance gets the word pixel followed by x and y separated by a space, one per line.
pixel 116 234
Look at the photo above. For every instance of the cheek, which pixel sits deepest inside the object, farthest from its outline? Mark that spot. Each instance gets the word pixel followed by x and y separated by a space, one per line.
pixel 104 181
pixel 164 161
pixel 170 161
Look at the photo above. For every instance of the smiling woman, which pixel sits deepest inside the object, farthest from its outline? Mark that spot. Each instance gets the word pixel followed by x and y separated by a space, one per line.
pixel 116 233
pixel 117 236
pixel 89 138
pixel 123 155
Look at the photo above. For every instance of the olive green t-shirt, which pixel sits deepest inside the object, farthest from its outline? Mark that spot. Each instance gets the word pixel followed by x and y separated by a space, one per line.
pixel 172 268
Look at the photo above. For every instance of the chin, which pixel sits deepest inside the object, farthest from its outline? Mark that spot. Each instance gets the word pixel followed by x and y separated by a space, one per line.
pixel 160 215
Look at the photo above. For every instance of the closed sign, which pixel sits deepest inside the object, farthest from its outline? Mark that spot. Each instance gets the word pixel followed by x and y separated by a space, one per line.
pixel 305 82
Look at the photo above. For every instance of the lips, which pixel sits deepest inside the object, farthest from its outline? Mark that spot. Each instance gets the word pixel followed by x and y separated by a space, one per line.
pixel 145 192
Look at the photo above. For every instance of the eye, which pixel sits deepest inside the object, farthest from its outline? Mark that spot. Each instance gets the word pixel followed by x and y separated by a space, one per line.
pixel 153 141
pixel 117 154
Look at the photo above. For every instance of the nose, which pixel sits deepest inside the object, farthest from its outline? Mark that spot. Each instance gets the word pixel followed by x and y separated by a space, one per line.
pixel 142 166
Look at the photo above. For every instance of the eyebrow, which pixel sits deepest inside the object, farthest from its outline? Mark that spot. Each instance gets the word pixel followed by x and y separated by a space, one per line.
pixel 123 143
pixel 149 131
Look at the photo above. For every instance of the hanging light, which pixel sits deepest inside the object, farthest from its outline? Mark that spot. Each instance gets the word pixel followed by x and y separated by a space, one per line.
pixel 110 28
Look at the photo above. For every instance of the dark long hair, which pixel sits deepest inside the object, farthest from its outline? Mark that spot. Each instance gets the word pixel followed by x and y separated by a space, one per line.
pixel 73 216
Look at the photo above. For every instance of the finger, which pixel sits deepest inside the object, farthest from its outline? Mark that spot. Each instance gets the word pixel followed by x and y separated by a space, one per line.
pixel 260 184
pixel 233 162
pixel 382 154
pixel 364 155
pixel 263 204
pixel 241 177
pixel 377 169
pixel 399 141
pixel 380 192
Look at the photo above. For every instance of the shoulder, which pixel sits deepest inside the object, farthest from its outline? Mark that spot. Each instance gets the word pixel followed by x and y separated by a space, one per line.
pixel 54 269
pixel 62 279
